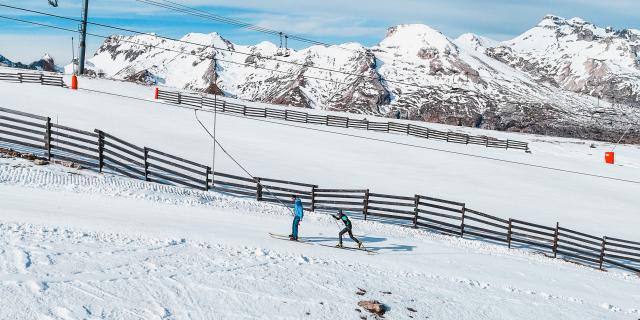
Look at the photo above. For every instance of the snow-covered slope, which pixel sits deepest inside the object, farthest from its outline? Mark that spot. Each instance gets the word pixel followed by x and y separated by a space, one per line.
pixel 545 81
pixel 269 149
pixel 77 245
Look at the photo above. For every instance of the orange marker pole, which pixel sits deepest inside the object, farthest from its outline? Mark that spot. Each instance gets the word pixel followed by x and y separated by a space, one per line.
pixel 609 157
pixel 156 94
pixel 74 82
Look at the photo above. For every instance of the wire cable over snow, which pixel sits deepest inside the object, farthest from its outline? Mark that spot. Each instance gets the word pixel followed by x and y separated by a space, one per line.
pixel 256 180
pixel 387 141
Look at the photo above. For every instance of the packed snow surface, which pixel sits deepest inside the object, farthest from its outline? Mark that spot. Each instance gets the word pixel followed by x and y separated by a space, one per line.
pixel 79 245
pixel 82 245
pixel 270 149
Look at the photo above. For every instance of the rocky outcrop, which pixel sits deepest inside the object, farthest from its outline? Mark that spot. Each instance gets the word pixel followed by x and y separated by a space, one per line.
pixel 46 63
pixel 558 78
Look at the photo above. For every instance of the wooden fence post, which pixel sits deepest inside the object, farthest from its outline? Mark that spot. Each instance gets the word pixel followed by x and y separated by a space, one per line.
pixel 448 133
pixel 326 121
pixel 428 132
pixel 146 164
pixel 244 110
pixel 486 142
pixel 47 139
pixel 466 139
pixel 604 243
pixel 464 209
pixel 258 190
pixel 313 198
pixel 555 240
pixel 507 146
pixel 179 98
pixel 224 105
pixel 365 208
pixel 306 118
pixel 286 114
pixel 100 149
pixel 408 125
pixel 387 126
pixel 347 123
pixel 509 233
pixel 206 179
pixel 415 209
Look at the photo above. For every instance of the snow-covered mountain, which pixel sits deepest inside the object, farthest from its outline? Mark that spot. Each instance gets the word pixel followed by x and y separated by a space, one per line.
pixel 46 63
pixel 545 81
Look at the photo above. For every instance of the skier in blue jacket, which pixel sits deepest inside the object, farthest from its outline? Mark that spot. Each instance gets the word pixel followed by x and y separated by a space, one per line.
pixel 297 217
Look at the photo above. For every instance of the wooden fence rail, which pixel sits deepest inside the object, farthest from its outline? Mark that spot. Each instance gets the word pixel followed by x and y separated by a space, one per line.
pixel 202 101
pixel 41 78
pixel 101 151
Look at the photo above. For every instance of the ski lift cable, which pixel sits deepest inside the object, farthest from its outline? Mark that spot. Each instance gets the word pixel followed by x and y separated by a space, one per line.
pixel 171 5
pixel 214 47
pixel 179 52
pixel 256 180
pixel 622 137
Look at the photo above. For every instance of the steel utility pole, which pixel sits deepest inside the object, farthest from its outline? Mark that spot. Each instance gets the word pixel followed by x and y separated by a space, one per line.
pixel 83 36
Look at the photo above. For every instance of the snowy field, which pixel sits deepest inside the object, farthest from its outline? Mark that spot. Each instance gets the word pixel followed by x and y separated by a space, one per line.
pixel 77 245
pixel 269 149
pixel 80 245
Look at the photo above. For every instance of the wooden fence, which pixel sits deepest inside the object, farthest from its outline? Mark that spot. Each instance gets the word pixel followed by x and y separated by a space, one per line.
pixel 103 152
pixel 200 101
pixel 41 78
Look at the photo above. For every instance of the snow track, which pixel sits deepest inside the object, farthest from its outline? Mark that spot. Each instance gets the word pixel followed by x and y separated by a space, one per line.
pixel 89 246
pixel 76 274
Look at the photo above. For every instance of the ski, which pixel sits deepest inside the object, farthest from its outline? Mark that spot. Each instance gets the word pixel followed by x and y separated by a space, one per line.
pixel 350 248
pixel 286 238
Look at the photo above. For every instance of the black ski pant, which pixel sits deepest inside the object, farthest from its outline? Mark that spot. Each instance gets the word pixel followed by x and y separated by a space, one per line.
pixel 345 230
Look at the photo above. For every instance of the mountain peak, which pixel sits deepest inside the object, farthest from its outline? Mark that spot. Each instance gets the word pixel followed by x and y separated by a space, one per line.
pixel 475 42
pixel 47 57
pixel 413 38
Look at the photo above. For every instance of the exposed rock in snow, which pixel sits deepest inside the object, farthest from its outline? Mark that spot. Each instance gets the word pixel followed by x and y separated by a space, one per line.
pixel 373 306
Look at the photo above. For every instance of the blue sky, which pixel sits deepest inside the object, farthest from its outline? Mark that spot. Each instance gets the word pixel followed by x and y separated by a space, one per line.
pixel 332 21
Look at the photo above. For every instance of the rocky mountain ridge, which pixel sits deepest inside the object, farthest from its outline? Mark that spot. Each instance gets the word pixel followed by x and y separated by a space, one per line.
pixel 46 63
pixel 564 77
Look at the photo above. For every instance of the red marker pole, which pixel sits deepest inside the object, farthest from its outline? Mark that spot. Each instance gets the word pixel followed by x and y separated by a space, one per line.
pixel 609 157
pixel 74 82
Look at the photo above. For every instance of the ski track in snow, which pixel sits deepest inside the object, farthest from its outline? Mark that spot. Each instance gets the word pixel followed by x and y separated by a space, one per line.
pixel 109 275
pixel 50 272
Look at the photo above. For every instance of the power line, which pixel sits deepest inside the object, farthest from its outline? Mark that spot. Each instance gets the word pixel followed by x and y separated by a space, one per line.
pixel 204 56
pixel 301 65
pixel 177 7
pixel 383 140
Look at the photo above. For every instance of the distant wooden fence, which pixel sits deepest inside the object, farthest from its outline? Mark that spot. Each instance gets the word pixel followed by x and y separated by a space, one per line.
pixel 41 78
pixel 101 151
pixel 200 101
